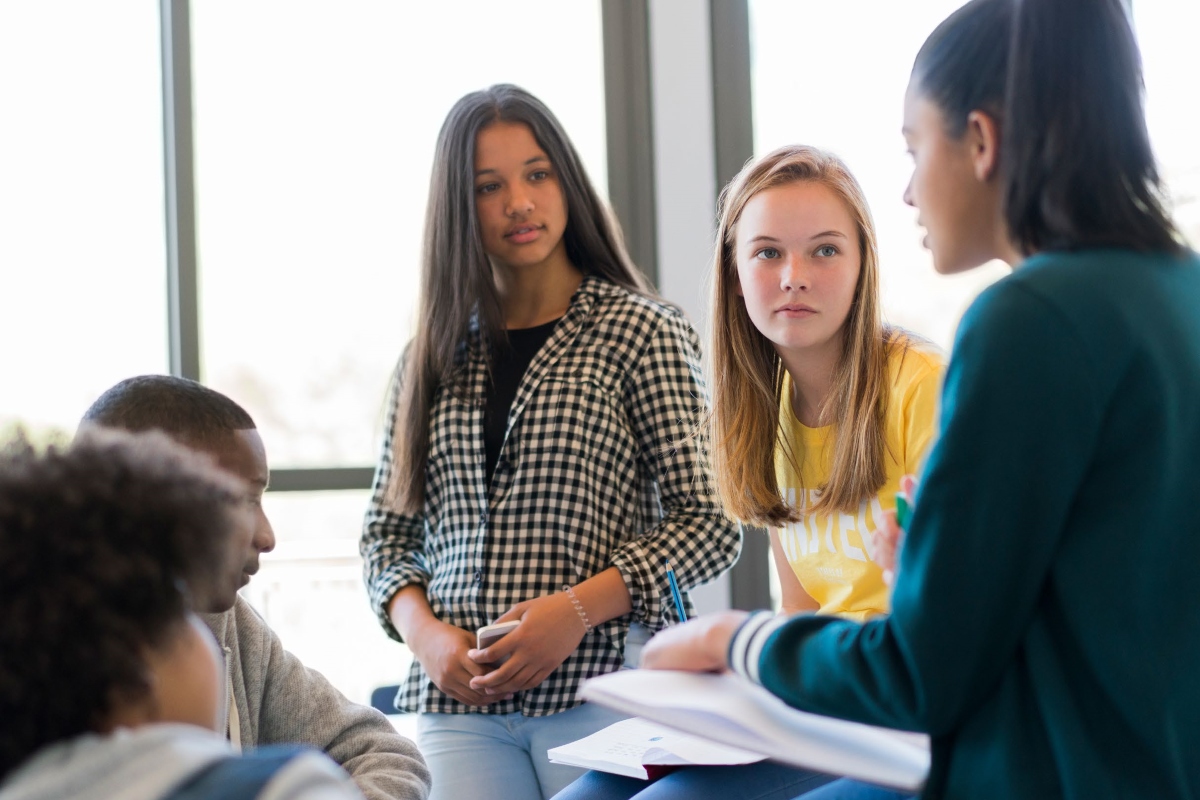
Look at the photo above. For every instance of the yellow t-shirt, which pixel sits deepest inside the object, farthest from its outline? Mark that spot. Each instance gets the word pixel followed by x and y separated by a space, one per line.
pixel 831 554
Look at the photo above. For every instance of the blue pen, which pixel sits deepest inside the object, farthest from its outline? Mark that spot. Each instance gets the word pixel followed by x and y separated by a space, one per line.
pixel 675 593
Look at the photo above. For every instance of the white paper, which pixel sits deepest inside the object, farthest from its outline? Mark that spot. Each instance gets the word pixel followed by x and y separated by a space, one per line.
pixel 733 711
pixel 625 747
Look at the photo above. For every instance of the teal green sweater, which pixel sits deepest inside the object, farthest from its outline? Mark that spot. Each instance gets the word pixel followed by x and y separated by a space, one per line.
pixel 1046 618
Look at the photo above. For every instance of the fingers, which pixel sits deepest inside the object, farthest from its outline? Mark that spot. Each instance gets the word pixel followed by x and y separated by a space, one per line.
pixel 908 484
pixel 527 677
pixel 464 694
pixel 506 681
pixel 459 687
pixel 495 653
pixel 498 676
pixel 514 613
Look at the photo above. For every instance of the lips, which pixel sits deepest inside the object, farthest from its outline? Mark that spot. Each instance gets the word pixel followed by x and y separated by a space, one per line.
pixel 523 234
pixel 796 310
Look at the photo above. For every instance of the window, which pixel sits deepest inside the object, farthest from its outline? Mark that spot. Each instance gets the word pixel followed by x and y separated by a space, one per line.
pixel 315 129
pixel 81 206
pixel 1172 108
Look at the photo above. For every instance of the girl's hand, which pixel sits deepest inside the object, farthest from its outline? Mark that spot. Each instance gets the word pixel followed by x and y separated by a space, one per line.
pixel 550 630
pixel 701 645
pixel 442 651
pixel 887 540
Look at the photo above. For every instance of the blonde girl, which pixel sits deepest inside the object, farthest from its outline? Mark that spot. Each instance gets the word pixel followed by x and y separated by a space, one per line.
pixel 819 410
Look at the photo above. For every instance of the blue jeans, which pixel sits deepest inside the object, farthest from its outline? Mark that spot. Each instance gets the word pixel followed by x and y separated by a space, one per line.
pixel 846 789
pixel 761 781
pixel 503 756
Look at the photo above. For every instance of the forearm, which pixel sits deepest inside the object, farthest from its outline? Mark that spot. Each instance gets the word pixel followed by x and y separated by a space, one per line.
pixel 409 611
pixel 604 596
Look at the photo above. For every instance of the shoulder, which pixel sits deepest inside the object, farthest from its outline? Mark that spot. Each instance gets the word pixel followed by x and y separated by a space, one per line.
pixel 913 361
pixel 1092 288
pixel 616 305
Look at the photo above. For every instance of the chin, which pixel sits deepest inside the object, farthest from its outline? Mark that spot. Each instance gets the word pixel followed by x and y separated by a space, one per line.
pixel 954 264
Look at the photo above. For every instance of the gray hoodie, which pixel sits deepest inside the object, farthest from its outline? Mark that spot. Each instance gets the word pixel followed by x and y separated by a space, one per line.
pixel 148 762
pixel 281 701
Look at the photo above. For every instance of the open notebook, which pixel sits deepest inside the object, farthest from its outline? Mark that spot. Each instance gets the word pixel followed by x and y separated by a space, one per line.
pixel 639 748
pixel 731 710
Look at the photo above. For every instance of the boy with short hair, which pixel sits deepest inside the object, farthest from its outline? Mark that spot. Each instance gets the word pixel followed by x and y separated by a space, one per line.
pixel 273 697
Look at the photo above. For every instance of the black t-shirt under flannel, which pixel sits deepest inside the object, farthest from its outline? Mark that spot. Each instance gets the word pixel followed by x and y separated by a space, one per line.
pixel 508 367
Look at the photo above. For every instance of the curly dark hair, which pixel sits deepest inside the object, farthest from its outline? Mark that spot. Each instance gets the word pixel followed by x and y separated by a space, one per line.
pixel 105 546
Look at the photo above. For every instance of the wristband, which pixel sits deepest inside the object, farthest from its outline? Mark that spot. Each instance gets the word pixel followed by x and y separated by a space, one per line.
pixel 587 624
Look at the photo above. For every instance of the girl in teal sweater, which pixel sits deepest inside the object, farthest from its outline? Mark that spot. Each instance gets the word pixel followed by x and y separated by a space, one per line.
pixel 1045 627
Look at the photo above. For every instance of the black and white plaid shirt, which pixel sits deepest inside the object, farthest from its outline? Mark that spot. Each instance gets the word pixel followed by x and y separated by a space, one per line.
pixel 597 470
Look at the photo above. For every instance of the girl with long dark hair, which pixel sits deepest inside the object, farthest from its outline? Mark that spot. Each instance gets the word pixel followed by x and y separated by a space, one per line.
pixel 538 465
pixel 1045 629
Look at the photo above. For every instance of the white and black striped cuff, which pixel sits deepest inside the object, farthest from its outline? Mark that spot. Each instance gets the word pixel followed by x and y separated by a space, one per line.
pixel 746 647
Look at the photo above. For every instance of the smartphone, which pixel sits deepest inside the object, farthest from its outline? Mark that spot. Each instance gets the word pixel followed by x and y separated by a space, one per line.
pixel 490 634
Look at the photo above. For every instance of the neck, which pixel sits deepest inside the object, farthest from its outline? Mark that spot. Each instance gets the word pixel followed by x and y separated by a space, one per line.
pixel 537 294
pixel 130 715
pixel 1010 254
pixel 811 372
pixel 1004 247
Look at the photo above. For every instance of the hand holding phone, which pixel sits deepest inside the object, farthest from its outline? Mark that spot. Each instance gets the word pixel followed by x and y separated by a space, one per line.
pixel 490 634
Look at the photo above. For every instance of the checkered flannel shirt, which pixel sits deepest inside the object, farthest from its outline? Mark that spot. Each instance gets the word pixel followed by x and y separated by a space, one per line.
pixel 597 470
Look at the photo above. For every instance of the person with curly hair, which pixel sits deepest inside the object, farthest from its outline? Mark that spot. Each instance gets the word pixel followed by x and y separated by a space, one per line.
pixel 110 685
pixel 272 698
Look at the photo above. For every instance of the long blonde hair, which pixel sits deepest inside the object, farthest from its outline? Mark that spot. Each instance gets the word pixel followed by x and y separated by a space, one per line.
pixel 748 373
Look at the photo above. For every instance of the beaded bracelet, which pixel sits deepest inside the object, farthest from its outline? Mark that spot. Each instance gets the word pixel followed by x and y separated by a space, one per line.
pixel 587 624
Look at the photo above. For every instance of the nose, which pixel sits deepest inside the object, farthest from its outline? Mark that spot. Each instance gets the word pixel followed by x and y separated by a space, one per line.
pixel 908 194
pixel 519 202
pixel 264 534
pixel 793 277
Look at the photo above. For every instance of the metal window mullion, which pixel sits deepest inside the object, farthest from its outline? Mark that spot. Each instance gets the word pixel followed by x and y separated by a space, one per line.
pixel 183 315
pixel 733 129
pixel 629 127
pixel 330 479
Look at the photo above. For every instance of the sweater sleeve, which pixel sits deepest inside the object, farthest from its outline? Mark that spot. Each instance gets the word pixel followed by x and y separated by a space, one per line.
pixel 298 705
pixel 665 400
pixel 392 544
pixel 1020 417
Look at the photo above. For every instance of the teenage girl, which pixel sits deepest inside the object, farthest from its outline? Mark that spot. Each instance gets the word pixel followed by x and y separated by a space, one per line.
pixel 819 410
pixel 1045 628
pixel 538 465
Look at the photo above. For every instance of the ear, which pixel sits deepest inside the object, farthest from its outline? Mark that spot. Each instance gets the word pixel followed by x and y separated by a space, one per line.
pixel 983 137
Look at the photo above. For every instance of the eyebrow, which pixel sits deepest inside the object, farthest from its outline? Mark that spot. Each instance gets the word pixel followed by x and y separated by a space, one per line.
pixel 533 160
pixel 838 234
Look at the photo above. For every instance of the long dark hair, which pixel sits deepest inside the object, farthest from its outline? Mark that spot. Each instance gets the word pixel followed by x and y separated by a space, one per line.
pixel 1064 80
pixel 457 285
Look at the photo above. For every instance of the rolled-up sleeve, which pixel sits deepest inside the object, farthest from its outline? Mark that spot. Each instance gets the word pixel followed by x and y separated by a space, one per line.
pixel 392 544
pixel 666 400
